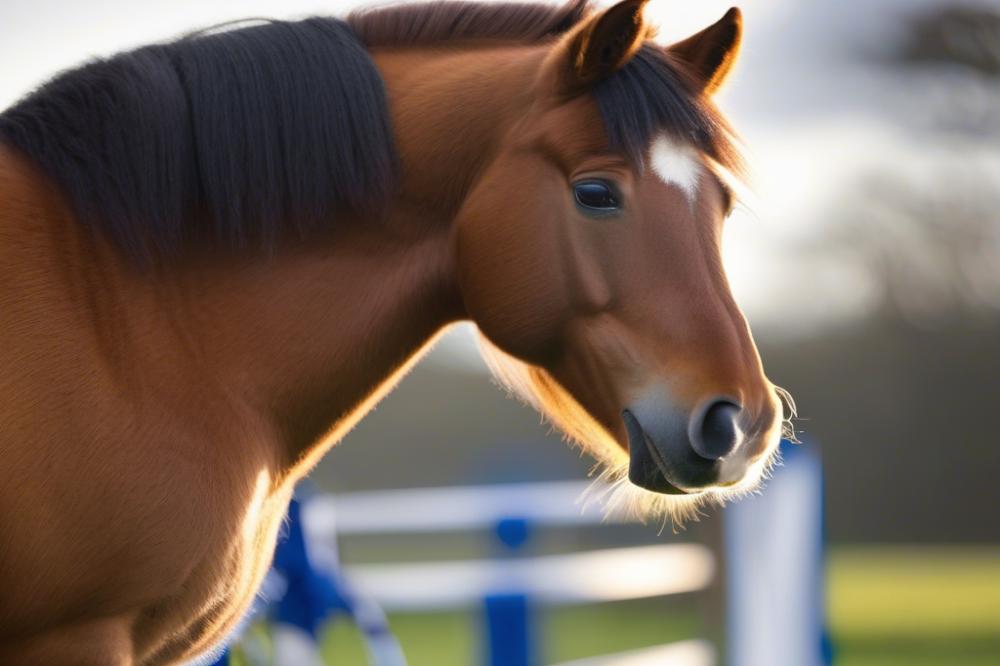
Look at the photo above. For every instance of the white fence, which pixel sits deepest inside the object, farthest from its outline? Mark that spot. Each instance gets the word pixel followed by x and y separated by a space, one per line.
pixel 772 567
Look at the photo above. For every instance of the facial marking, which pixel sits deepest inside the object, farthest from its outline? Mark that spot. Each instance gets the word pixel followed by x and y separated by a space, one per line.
pixel 676 164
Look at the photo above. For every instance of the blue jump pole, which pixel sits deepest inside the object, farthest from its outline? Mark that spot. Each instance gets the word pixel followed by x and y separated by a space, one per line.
pixel 508 615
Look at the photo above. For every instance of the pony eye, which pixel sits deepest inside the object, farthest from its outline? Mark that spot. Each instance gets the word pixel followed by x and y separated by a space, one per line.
pixel 596 196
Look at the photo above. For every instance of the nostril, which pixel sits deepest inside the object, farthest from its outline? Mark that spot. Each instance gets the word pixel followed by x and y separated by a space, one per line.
pixel 714 430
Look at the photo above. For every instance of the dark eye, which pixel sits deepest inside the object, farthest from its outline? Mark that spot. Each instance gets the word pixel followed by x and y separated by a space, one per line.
pixel 596 196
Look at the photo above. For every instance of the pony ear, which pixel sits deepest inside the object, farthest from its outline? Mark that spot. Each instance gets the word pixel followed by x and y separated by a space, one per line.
pixel 711 53
pixel 600 45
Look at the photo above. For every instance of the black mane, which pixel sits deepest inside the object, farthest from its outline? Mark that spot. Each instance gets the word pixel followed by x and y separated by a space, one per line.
pixel 228 136
pixel 241 136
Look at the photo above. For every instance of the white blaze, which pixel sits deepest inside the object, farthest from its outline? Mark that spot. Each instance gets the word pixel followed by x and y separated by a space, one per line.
pixel 676 164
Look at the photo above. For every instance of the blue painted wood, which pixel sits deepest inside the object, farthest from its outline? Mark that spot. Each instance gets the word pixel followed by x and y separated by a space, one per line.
pixel 510 640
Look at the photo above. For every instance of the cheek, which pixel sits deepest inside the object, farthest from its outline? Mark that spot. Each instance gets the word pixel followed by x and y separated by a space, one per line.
pixel 508 256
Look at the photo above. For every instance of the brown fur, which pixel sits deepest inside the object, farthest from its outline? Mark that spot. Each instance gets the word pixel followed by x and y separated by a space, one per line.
pixel 154 423
pixel 437 21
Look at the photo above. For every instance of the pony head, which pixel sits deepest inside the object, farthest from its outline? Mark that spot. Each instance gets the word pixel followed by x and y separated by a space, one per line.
pixel 589 257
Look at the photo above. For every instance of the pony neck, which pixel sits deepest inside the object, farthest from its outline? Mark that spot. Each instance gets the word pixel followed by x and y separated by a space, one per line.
pixel 319 333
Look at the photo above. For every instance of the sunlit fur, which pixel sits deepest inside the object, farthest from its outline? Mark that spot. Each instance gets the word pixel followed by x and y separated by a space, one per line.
pixel 611 489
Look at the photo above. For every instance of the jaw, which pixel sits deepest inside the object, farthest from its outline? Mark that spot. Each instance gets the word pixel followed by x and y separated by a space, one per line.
pixel 612 488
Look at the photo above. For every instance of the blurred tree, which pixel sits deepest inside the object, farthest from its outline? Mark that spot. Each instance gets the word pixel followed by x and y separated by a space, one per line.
pixel 932 246
pixel 903 399
pixel 965 35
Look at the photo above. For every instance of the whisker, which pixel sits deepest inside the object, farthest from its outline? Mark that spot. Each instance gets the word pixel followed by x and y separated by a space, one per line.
pixel 791 412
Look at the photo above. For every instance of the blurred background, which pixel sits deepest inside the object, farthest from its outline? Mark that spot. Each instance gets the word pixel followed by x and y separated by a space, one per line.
pixel 867 259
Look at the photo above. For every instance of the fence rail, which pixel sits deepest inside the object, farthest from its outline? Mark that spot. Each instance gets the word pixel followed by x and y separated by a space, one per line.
pixel 614 574
pixel 414 510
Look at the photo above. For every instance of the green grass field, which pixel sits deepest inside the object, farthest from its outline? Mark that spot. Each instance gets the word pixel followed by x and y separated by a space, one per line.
pixel 452 638
pixel 888 607
pixel 896 607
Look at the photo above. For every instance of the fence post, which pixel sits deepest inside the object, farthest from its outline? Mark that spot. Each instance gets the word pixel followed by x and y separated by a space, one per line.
pixel 775 568
pixel 510 639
